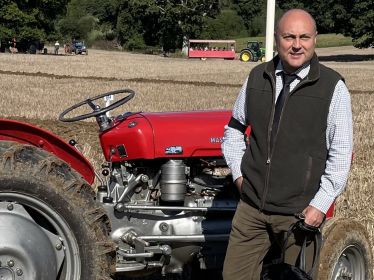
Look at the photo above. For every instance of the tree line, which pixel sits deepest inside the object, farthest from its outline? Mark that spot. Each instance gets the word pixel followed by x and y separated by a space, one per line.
pixel 165 23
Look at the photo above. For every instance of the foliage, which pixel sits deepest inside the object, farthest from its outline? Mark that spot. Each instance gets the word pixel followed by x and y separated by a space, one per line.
pixel 140 23
pixel 228 24
pixel 163 22
pixel 253 13
pixel 29 19
pixel 85 19
pixel 355 18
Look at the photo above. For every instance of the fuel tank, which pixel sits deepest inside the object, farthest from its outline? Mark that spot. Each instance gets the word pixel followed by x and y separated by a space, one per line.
pixel 170 134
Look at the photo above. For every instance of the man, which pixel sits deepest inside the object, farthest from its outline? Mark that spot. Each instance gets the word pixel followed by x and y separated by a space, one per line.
pixel 57 46
pixel 299 151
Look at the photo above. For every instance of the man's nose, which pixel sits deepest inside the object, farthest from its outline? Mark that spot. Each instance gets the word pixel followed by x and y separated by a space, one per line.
pixel 296 43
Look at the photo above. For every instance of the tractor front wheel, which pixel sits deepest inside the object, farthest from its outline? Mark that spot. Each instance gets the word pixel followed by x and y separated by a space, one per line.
pixel 346 251
pixel 52 228
pixel 262 58
pixel 246 56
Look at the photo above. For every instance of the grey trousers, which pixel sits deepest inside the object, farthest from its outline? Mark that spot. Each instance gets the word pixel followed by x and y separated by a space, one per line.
pixel 250 241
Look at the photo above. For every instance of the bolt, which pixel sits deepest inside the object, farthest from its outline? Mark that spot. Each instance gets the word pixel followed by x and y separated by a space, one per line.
pixel 144 178
pixel 10 206
pixel 58 246
pixel 164 227
pixel 19 271
pixel 10 263
pixel 142 195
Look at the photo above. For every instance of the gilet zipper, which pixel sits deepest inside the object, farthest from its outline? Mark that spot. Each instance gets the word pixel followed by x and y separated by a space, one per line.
pixel 270 153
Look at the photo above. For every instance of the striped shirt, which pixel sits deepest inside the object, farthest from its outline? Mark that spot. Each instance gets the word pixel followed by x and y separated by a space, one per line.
pixel 339 139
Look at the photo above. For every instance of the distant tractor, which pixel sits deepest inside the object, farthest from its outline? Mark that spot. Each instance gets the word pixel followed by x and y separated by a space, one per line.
pixel 77 48
pixel 254 52
pixel 23 45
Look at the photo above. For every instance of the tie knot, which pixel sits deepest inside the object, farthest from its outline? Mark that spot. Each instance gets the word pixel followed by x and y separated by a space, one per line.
pixel 288 78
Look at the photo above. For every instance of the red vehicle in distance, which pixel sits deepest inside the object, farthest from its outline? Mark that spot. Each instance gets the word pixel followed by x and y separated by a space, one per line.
pixel 204 49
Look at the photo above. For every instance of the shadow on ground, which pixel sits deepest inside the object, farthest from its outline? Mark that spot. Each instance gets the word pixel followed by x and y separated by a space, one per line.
pixel 347 57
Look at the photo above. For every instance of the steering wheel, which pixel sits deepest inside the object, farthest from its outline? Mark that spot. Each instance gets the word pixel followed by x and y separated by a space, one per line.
pixel 97 110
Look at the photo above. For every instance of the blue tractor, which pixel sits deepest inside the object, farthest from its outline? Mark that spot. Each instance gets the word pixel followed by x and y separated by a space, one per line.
pixel 77 48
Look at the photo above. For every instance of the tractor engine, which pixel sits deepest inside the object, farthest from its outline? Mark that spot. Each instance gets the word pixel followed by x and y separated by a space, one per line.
pixel 169 212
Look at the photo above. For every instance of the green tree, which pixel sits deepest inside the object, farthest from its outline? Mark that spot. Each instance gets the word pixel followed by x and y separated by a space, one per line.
pixel 29 19
pixel 163 22
pixel 250 10
pixel 228 24
pixel 355 18
pixel 85 16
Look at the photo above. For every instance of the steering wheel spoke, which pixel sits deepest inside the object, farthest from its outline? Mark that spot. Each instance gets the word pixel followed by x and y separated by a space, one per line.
pixel 97 111
pixel 90 103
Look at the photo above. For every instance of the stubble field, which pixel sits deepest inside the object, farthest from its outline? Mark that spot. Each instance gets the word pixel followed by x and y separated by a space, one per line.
pixel 37 88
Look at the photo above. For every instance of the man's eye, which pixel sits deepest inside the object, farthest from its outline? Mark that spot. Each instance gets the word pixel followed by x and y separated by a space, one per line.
pixel 305 38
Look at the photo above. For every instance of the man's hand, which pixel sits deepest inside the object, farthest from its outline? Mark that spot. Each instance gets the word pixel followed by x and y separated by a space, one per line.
pixel 238 183
pixel 313 216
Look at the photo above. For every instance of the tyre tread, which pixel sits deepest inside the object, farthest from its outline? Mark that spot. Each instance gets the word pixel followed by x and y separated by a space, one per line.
pixel 21 160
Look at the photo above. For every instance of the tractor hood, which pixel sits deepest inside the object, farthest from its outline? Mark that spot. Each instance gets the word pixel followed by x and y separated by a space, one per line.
pixel 170 134
pixel 196 133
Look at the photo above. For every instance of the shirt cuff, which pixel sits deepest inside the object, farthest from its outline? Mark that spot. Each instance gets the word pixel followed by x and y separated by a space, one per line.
pixel 236 171
pixel 322 201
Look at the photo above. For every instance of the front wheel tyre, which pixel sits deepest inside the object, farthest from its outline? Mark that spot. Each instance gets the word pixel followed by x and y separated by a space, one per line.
pixel 52 228
pixel 346 251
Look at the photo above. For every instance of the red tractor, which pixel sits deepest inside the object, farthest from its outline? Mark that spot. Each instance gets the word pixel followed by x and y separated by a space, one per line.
pixel 167 200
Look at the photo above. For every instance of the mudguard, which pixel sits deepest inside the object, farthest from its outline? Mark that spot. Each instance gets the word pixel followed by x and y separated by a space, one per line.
pixel 28 134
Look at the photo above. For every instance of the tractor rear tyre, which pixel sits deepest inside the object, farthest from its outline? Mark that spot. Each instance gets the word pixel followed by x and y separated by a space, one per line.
pixel 246 56
pixel 67 49
pixel 32 49
pixel 346 251
pixel 52 228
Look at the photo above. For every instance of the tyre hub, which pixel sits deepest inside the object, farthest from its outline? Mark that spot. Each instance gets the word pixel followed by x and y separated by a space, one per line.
pixel 350 265
pixel 245 57
pixel 26 248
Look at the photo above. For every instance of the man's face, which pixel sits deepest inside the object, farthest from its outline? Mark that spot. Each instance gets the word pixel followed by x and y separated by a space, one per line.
pixel 296 39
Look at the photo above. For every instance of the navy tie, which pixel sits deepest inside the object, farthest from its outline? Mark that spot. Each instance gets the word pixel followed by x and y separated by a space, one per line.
pixel 287 80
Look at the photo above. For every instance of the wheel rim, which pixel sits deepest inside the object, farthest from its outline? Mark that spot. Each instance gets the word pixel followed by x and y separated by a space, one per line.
pixel 203 58
pixel 245 57
pixel 64 254
pixel 350 265
pixel 263 58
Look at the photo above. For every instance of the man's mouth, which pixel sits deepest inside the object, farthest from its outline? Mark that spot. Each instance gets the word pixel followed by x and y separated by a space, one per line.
pixel 295 54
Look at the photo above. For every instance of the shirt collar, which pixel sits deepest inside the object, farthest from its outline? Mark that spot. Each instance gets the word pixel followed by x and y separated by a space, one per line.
pixel 301 73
